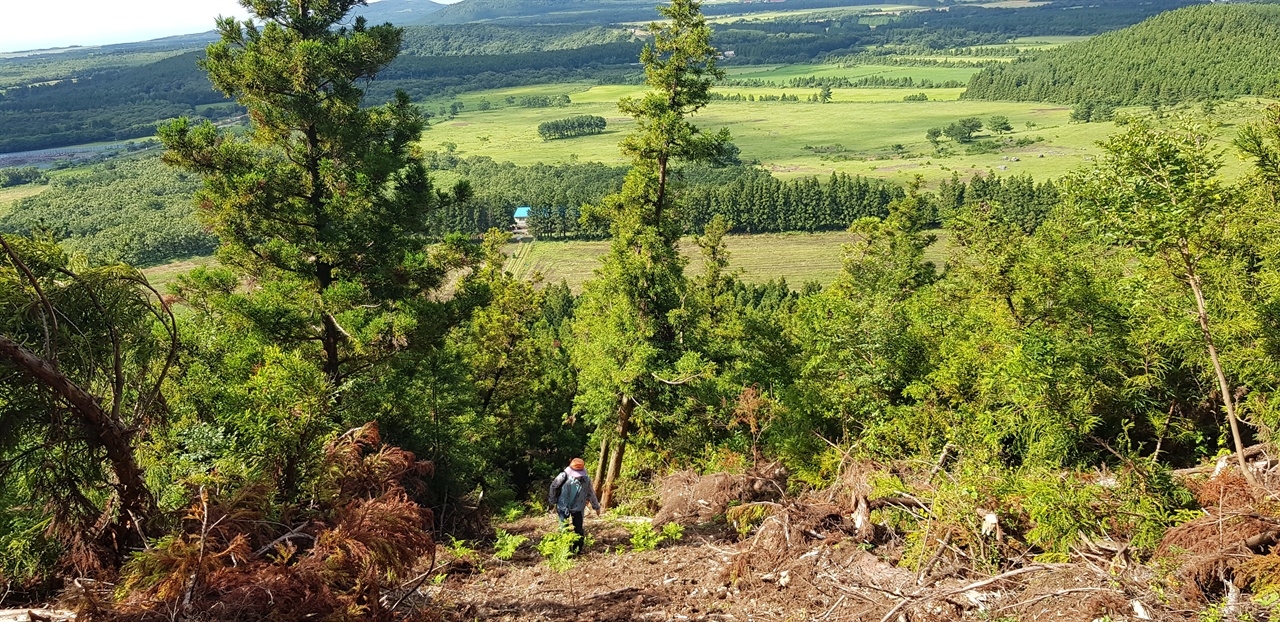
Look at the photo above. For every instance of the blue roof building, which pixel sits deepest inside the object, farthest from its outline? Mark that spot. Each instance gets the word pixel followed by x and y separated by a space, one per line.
pixel 520 227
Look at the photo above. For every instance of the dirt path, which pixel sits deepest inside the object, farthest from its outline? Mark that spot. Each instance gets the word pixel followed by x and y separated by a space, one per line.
pixel 708 576
pixel 688 580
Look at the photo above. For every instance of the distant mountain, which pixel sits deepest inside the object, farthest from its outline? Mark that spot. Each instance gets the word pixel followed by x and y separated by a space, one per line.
pixel 398 12
pixel 603 12
pixel 1200 52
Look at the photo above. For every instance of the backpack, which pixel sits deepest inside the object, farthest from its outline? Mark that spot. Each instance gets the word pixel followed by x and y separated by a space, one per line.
pixel 570 492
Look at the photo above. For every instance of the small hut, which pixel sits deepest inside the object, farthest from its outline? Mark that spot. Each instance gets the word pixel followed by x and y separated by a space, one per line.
pixel 521 225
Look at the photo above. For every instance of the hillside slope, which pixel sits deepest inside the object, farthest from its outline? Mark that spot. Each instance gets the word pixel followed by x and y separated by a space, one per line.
pixel 1198 52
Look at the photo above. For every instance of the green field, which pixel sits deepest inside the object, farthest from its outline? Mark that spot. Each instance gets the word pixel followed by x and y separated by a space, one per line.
pixel 161 276
pixel 869 132
pixel 9 195
pixel 797 257
pixel 865 123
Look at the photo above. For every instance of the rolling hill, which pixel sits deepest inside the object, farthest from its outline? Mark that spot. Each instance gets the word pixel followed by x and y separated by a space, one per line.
pixel 1199 52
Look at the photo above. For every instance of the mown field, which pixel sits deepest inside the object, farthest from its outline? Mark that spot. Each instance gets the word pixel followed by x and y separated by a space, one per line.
pixel 797 257
pixel 862 131
pixel 868 132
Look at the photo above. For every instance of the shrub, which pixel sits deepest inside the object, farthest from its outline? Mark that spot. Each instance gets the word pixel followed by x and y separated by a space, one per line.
pixel 505 547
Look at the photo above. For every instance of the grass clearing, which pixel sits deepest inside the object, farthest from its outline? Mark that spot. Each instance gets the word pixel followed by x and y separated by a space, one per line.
pixel 869 132
pixel 13 193
pixel 161 276
pixel 797 257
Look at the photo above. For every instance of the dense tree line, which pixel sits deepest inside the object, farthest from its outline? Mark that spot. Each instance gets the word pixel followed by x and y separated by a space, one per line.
pixel 21 175
pixel 753 200
pixel 491 40
pixel 585 12
pixel 1203 52
pixel 872 81
pixel 580 125
pixel 116 104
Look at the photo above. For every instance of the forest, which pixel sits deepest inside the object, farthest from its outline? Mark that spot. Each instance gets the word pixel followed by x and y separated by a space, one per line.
pixel 1222 55
pixel 1069 413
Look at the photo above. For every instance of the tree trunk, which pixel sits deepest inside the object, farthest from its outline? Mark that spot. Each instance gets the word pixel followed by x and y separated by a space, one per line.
pixel 598 482
pixel 107 432
pixel 331 333
pixel 619 449
pixel 1228 400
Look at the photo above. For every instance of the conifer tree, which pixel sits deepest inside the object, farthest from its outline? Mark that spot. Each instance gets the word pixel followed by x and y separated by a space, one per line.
pixel 324 203
pixel 630 331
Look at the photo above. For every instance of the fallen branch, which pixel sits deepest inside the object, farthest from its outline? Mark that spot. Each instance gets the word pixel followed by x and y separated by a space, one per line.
pixel 999 577
pixel 621 590
pixel 294 534
pixel 1052 595
pixel 1248 453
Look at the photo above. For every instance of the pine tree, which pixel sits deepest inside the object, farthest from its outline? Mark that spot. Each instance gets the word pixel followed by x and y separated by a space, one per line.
pixel 325 200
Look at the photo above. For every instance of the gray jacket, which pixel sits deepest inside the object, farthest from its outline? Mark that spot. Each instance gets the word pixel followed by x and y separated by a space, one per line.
pixel 589 493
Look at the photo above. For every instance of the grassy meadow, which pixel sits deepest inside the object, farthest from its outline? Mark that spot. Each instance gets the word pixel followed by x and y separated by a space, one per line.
pixel 862 131
pixel 797 257
pixel 855 133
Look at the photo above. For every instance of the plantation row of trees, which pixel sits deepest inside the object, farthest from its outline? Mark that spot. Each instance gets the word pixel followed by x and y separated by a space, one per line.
pixel 139 212
pixel 580 125
pixel 1202 52
pixel 872 81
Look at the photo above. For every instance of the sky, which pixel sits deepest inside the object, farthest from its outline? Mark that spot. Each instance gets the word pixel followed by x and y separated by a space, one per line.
pixel 38 24
pixel 34 24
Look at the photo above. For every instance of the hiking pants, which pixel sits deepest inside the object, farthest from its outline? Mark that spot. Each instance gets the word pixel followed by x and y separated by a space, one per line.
pixel 577 527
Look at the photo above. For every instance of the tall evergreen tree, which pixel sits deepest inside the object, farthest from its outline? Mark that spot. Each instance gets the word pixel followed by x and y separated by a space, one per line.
pixel 324 203
pixel 630 344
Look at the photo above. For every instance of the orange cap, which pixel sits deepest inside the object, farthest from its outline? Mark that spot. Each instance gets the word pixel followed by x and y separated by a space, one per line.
pixel 577 464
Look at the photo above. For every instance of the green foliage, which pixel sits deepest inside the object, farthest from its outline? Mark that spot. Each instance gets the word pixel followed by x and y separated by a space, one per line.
pixel 21 175
pixel 745 518
pixel 337 232
pixel 1209 51
pixel 673 532
pixel 135 210
pixel 557 549
pixel 460 551
pixel 581 125
pixel 507 543
pixel 85 352
pixel 999 124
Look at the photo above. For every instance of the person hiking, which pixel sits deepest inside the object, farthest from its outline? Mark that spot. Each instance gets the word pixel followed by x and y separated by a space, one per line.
pixel 570 492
